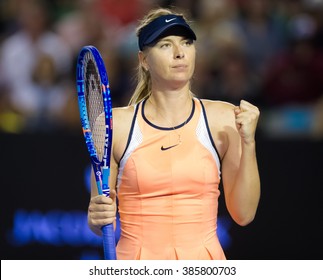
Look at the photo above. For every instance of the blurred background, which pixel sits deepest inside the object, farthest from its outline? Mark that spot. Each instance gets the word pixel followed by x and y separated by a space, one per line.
pixel 268 52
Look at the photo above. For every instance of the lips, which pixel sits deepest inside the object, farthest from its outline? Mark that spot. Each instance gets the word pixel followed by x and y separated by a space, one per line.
pixel 180 66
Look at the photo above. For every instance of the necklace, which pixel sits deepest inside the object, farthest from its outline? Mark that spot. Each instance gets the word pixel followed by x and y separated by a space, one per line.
pixel 175 130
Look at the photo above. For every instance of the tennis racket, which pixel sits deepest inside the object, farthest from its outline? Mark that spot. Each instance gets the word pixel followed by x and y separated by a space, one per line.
pixel 95 108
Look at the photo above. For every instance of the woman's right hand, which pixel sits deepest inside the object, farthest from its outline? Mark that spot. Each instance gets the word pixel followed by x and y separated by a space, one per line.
pixel 101 211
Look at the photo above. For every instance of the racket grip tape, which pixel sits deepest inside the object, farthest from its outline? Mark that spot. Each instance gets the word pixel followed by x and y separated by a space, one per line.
pixel 109 243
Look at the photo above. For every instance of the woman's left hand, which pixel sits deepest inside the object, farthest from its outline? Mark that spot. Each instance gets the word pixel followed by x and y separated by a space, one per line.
pixel 246 116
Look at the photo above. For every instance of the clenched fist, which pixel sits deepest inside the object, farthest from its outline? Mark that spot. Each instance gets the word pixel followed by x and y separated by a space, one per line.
pixel 247 116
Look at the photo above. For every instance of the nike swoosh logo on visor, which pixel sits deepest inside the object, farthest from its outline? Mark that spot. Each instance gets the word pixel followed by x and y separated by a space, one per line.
pixel 168 20
pixel 167 148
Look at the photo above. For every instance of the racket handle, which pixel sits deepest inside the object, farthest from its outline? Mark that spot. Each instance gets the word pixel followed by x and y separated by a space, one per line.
pixel 109 243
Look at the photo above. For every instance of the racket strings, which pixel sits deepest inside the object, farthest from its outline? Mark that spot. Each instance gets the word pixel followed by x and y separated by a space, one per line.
pixel 94 104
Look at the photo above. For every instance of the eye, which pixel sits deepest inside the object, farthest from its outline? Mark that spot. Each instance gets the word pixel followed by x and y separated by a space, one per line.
pixel 165 45
pixel 188 42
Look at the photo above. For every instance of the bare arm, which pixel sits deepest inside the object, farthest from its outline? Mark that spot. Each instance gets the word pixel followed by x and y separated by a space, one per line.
pixel 233 130
pixel 102 210
pixel 240 169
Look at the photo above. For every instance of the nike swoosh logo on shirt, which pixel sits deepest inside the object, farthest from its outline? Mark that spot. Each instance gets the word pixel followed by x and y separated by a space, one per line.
pixel 167 148
pixel 168 20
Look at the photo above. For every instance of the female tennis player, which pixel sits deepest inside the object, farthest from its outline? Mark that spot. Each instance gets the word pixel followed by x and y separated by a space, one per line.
pixel 170 150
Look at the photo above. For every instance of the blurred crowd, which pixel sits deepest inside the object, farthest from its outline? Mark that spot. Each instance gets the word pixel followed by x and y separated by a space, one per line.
pixel 269 52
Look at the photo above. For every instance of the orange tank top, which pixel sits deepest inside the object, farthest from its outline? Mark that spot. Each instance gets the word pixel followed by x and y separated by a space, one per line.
pixel 168 193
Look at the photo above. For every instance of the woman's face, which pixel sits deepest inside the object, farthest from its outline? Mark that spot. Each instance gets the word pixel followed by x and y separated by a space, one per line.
pixel 170 60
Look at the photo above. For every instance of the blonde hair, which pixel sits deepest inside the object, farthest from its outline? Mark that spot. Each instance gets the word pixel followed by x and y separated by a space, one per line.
pixel 143 88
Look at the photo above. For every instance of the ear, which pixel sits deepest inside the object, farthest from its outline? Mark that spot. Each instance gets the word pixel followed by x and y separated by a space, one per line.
pixel 142 60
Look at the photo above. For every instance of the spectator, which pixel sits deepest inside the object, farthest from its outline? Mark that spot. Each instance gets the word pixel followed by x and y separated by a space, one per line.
pixel 34 62
pixel 295 75
pixel 263 32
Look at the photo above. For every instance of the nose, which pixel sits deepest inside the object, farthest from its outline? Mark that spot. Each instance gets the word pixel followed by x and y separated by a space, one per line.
pixel 178 52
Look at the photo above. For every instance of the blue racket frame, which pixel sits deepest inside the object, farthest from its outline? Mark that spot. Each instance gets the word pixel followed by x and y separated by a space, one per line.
pixel 101 168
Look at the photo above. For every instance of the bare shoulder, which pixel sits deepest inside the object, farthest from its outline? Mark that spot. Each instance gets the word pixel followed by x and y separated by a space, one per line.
pixel 221 120
pixel 217 104
pixel 123 112
pixel 220 112
pixel 122 119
